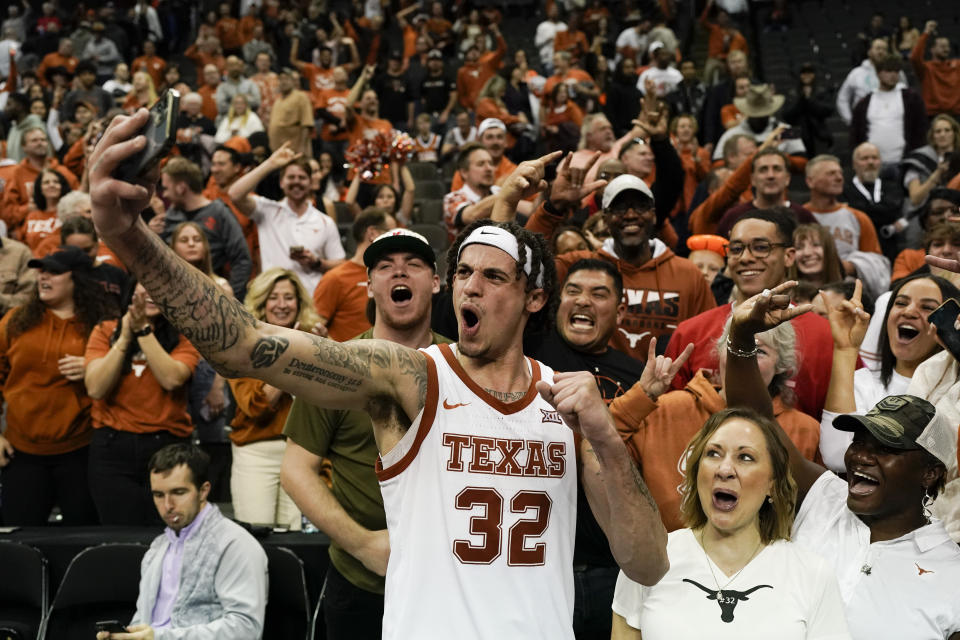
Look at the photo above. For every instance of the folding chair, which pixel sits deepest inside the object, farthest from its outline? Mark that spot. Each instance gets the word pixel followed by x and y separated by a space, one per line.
pixel 24 594
pixel 101 583
pixel 288 606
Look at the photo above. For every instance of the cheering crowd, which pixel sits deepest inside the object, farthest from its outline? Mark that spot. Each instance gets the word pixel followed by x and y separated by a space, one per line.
pixel 384 207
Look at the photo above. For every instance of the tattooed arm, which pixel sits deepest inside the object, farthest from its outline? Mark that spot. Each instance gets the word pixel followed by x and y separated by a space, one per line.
pixel 615 489
pixel 386 379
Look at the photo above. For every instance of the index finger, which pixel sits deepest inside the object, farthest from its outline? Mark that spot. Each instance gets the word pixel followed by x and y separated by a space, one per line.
pixel 550 157
pixel 682 358
pixel 593 160
pixel 857 291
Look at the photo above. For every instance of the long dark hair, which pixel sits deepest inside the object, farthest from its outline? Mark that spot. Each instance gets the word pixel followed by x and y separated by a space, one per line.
pixel 167 335
pixel 38 198
pixel 90 306
pixel 887 360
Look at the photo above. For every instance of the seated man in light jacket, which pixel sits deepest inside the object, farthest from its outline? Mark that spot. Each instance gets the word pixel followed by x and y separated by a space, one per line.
pixel 204 576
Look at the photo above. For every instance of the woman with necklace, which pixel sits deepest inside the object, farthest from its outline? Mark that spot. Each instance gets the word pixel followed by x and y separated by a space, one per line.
pixel 733 571
pixel 896 564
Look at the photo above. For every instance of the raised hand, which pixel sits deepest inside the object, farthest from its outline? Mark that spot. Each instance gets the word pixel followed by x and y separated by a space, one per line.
pixel 773 140
pixel 764 311
pixel 848 320
pixel 527 179
pixel 283 156
pixel 117 204
pixel 660 371
pixel 575 396
pixel 568 189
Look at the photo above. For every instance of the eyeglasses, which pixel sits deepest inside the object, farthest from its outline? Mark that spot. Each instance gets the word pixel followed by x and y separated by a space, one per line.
pixel 955 209
pixel 621 208
pixel 759 248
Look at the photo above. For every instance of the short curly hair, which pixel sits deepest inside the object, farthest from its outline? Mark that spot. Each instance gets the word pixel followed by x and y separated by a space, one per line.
pixel 542 263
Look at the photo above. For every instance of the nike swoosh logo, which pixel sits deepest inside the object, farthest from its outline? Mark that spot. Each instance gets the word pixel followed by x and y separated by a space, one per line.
pixel 447 405
pixel 484 232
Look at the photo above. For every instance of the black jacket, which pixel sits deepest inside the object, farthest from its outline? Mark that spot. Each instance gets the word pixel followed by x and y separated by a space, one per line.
pixel 914 121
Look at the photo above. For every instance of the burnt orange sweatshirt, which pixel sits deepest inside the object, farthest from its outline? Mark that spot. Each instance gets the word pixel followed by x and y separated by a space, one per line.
pixel 255 419
pixel 46 413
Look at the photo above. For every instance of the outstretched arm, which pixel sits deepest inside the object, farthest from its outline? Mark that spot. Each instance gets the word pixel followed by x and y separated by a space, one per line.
pixel 618 496
pixel 743 384
pixel 379 377
pixel 239 191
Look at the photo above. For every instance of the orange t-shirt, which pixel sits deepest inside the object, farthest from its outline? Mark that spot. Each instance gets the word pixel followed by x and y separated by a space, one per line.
pixel 571 40
pixel 228 30
pixel 318 79
pixel 572 77
pixel 38 226
pixel 255 419
pixel 472 76
pixel 202 59
pixel 334 101
pixel 568 112
pixel 104 255
pixel 729 115
pixel 657 435
pixel 55 60
pixel 154 65
pixel 46 413
pixel 138 404
pixel 907 261
pixel 341 297
pixel 209 108
pixel 247 24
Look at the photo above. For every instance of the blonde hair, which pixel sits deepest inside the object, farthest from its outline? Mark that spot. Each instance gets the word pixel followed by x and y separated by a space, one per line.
pixel 231 114
pixel 259 290
pixel 776 516
pixel 151 90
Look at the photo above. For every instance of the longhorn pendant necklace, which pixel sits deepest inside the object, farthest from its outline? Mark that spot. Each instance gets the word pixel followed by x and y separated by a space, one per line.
pixel 734 576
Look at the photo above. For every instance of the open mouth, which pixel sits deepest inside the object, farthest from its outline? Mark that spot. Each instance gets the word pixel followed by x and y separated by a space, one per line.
pixel 906 333
pixel 401 293
pixel 581 321
pixel 862 484
pixel 724 500
pixel 470 321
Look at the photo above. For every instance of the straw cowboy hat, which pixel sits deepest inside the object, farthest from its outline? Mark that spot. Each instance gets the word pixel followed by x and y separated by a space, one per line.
pixel 759 102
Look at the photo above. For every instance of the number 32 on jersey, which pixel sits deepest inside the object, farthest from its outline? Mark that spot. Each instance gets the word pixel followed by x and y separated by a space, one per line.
pixel 487 527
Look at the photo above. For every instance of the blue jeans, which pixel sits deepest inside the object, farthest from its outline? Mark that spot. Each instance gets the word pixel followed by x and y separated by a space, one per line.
pixel 593 595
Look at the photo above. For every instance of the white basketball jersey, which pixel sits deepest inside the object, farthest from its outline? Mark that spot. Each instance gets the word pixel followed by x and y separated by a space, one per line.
pixel 481 501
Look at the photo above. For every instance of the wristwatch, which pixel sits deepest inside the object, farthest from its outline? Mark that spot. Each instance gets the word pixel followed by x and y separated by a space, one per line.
pixel 147 330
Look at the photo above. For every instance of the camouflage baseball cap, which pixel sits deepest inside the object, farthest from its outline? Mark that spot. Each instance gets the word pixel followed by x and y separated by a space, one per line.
pixel 904 422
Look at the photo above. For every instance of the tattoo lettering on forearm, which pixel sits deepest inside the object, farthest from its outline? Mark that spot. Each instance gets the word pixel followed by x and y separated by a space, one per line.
pixel 266 351
pixel 300 369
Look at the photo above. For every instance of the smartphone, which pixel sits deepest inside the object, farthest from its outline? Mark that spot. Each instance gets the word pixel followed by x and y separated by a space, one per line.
pixel 944 318
pixel 160 131
pixel 793 133
pixel 111 626
pixel 296 250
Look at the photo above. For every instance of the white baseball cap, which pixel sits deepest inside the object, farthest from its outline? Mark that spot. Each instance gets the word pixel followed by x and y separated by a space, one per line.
pixel 621 184
pixel 490 123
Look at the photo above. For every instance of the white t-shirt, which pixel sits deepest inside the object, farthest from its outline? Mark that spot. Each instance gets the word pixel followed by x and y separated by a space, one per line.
pixel 868 390
pixel 785 593
pixel 543 39
pixel 885 124
pixel 911 588
pixel 279 229
pixel 664 80
pixel 845 228
pixel 632 38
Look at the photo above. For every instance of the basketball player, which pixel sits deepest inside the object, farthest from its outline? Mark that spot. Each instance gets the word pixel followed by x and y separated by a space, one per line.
pixel 477 467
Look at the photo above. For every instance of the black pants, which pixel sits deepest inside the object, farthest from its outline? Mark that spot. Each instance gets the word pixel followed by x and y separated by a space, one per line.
pixel 593 597
pixel 32 485
pixel 350 613
pixel 119 478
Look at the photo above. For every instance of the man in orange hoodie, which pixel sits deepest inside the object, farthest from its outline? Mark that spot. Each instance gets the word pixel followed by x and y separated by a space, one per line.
pixel 940 76
pixel 18 194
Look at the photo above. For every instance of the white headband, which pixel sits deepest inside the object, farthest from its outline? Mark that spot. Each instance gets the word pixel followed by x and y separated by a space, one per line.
pixel 494 236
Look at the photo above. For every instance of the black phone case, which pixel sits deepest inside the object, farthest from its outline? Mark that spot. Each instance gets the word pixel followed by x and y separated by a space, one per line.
pixel 160 131
pixel 943 318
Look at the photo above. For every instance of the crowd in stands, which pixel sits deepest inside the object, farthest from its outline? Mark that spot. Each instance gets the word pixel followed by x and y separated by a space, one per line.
pixel 682 192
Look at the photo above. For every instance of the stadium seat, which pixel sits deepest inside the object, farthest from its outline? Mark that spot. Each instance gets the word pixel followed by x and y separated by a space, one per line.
pixel 24 593
pixel 429 211
pixel 343 211
pixel 346 238
pixel 435 234
pixel 288 606
pixel 423 171
pixel 101 583
pixel 429 190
